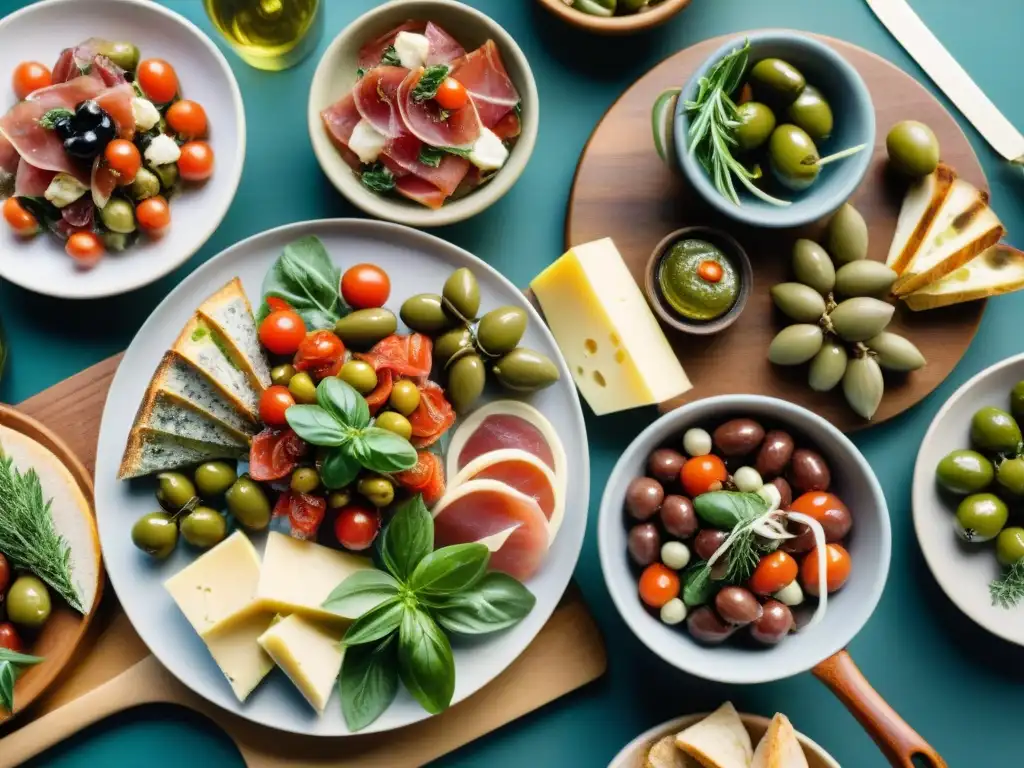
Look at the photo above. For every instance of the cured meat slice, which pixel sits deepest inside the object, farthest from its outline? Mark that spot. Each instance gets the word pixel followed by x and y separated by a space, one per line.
pixel 402 156
pixel 31 181
pixel 444 49
pixel 430 124
pixel 420 191
pixel 9 161
pixel 109 72
pixel 406 355
pixel 340 120
pixel 79 214
pixel 117 101
pixel 103 182
pixel 65 69
pixel 506 424
pixel 371 53
pixel 509 127
pixel 480 509
pixel 376 96
pixel 483 74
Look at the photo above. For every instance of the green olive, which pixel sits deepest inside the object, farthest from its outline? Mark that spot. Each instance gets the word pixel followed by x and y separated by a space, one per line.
pixel 395 422
pixel 377 490
pixel 524 370
pixel 864 278
pixel 124 54
pixel 28 602
pixel 501 330
pixel 777 81
pixel 913 149
pixel 860 318
pixel 461 295
pixel 146 184
pixel 756 123
pixel 1017 400
pixel 282 374
pixel 993 429
pixel 811 112
pixel 305 480
pixel 796 344
pixel 118 216
pixel 980 517
pixel 828 367
pixel 360 375
pixel 405 397
pixel 1010 546
pixel 214 478
pixel 863 385
pixel 452 345
pixel 425 313
pixel 1010 476
pixel 964 471
pixel 365 327
pixel 248 502
pixel 302 388
pixel 812 266
pixel 174 490
pixel 794 157
pixel 168 175
pixel 847 236
pixel 799 302
pixel 204 527
pixel 116 242
pixel 339 499
pixel 155 534
pixel 466 379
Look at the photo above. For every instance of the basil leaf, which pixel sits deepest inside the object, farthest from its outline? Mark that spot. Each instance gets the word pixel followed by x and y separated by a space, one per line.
pixel 343 402
pixel 368 682
pixel 307 279
pixel 495 602
pixel 425 661
pixel 697 586
pixel 450 570
pixel 360 592
pixel 378 622
pixel 378 178
pixel 22 659
pixel 51 117
pixel 339 468
pixel 727 509
pixel 316 426
pixel 408 538
pixel 10 661
pixel 382 451
pixel 390 57
pixel 429 82
pixel 431 156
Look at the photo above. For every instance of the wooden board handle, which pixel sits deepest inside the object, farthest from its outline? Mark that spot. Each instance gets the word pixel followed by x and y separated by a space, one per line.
pixel 900 743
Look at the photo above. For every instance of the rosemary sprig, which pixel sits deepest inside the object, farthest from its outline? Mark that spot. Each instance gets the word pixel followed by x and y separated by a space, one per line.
pixel 1008 590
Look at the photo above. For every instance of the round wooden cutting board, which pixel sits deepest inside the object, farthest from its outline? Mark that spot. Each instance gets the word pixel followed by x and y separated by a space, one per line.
pixel 622 190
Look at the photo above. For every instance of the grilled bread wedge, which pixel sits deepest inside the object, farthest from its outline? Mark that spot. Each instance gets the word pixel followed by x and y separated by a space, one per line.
pixel 998 270
pixel 920 205
pixel 204 348
pixel 150 451
pixel 177 376
pixel 229 313
pixel 779 748
pixel 720 740
pixel 665 754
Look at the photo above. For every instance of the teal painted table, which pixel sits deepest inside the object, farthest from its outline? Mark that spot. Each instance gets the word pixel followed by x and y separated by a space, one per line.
pixel 959 687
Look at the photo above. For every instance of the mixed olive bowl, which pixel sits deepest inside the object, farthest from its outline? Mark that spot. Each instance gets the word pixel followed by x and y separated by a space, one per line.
pixel 869 544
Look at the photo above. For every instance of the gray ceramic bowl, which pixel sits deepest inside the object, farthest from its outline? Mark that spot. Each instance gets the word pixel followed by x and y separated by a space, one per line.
pixel 854 115
pixel 336 74
pixel 869 544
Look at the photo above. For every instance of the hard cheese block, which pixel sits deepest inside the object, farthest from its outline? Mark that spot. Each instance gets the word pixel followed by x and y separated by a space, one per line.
pixel 234 645
pixel 611 340
pixel 309 654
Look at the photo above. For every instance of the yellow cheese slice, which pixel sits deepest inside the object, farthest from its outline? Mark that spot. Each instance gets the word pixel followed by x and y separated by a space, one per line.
pixel 613 344
pixel 234 645
pixel 309 654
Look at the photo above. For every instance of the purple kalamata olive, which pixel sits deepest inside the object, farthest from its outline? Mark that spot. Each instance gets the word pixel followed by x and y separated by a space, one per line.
pixel 644 497
pixel 678 517
pixel 808 471
pixel 706 626
pixel 785 491
pixel 738 437
pixel 708 541
pixel 644 544
pixel 664 464
pixel 775 623
pixel 775 453
pixel 737 606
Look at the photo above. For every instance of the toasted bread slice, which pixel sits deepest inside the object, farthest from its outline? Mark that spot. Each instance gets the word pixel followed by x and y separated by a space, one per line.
pixel 229 313
pixel 779 748
pixel 201 346
pixel 665 754
pixel 177 376
pixel 720 740
pixel 998 270
pixel 150 451
pixel 920 205
pixel 166 412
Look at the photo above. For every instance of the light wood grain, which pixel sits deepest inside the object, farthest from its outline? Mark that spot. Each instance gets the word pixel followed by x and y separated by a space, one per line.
pixel 622 190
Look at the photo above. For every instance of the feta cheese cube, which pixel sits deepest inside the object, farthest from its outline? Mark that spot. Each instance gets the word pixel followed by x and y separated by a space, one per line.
pixel 488 153
pixel 367 142
pixel 146 115
pixel 162 151
pixel 412 49
pixel 64 190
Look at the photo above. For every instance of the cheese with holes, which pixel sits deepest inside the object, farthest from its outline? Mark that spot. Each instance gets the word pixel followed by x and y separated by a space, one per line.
pixel 609 337
pixel 309 654
pixel 234 645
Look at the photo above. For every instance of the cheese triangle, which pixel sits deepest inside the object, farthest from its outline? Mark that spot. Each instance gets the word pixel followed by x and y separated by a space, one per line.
pixel 779 748
pixel 229 313
pixel 998 270
pixel 922 201
pixel 665 754
pixel 720 740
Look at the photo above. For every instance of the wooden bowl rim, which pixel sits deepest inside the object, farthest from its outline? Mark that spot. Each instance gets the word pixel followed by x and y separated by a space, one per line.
pixel 616 25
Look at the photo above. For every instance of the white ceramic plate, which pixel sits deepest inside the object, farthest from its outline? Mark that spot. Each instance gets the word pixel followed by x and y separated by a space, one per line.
pixel 416 262
pixel 38 33
pixel 963 571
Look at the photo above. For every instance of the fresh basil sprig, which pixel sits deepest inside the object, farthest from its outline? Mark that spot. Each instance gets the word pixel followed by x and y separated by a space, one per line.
pixel 378 178
pixel 405 612
pixel 429 82
pixel 390 57
pixel 306 278
pixel 11 663
pixel 340 421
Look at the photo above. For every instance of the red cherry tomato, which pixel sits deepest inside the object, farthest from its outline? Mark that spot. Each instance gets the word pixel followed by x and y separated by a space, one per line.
pixel 5 575
pixel 157 79
pixel 85 248
pixel 282 331
pixel 196 161
pixel 275 303
pixel 274 402
pixel 9 638
pixel 153 215
pixel 837 569
pixel 828 509
pixel 710 271
pixel 23 223
pixel 775 571
pixel 30 76
pixel 452 94
pixel 321 354
pixel 357 527
pixel 658 585
pixel 365 286
pixel 123 157
pixel 304 511
pixel 702 474
pixel 187 119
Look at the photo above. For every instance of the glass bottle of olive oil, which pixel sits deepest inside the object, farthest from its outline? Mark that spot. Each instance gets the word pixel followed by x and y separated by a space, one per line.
pixel 269 34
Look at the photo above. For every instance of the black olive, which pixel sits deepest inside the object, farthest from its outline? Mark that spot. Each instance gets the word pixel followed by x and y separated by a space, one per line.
pixel 85 145
pixel 105 130
pixel 88 114
pixel 64 127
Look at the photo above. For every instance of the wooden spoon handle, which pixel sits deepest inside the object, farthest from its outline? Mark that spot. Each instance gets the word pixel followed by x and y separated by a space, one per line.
pixel 900 743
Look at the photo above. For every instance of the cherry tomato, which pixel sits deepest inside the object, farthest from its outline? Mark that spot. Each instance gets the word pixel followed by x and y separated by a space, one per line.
pixel 837 569
pixel 187 119
pixel 9 638
pixel 274 454
pixel 274 402
pixel 658 585
pixel 410 355
pixel 282 331
pixel 321 354
pixel 365 286
pixel 153 215
pixel 123 156
pixel 18 219
pixel 357 527
pixel 196 161
pixel 157 79
pixel 30 76
pixel 85 248
pixel 710 271
pixel 452 94
pixel 275 303
pixel 702 474
pixel 5 575
pixel 829 510
pixel 305 512
pixel 775 571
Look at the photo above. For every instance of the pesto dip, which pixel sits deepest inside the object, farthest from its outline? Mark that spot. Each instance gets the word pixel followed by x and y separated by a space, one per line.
pixel 697 280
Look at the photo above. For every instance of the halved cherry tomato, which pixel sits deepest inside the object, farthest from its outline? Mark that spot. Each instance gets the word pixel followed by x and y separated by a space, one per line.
pixel 274 402
pixel 274 454
pixel 426 478
pixel 30 76
pixel 380 393
pixel 658 585
pixel 157 79
pixel 365 286
pixel 775 571
pixel 321 354
pixel 452 94
pixel 18 219
pixel 153 215
pixel 702 474
pixel 282 331
pixel 196 161
pixel 410 355
pixel 304 511
pixel 9 638
pixel 123 157
pixel 837 569
pixel 85 248
pixel 432 417
pixel 187 119
pixel 275 303
pixel 357 527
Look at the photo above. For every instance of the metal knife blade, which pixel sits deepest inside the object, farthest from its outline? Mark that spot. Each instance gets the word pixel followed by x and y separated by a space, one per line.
pixel 926 49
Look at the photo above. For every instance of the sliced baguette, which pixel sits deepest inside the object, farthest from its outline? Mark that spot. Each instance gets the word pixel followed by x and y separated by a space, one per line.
pixel 166 412
pixel 720 740
pixel 665 754
pixel 920 205
pixel 177 376
pixel 149 451
pixel 199 345
pixel 229 313
pixel 998 270
pixel 779 748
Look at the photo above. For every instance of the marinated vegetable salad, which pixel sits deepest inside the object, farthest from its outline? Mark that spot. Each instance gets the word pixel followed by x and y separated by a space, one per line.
pixel 95 148
pixel 426 120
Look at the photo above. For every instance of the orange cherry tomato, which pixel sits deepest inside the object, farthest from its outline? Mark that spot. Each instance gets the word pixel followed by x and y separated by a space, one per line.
pixel 837 569
pixel 187 119
pixel 153 215
pixel 85 248
pixel 775 571
pixel 658 585
pixel 710 271
pixel 282 331
pixel 702 474
pixel 365 286
pixel 21 221
pixel 196 161
pixel 30 76
pixel 123 157
pixel 452 94
pixel 321 354
pixel 157 79
pixel 828 509
pixel 274 402
pixel 275 303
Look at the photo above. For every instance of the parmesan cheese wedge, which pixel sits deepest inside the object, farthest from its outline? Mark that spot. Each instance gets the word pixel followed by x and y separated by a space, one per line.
pixel 922 201
pixel 310 655
pixel 779 748
pixel 720 740
pixel 998 270
pixel 665 754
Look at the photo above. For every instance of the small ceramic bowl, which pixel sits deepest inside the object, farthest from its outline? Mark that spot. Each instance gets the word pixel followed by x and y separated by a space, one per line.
pixel 869 545
pixel 627 24
pixel 732 250
pixel 336 74
pixel 854 115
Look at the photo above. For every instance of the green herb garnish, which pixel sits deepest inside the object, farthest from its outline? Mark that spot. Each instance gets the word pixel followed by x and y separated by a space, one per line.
pixel 360 72
pixel 518 110
pixel 431 156
pixel 11 663
pixel 1008 590
pixel 51 117
pixel 306 278
pixel 404 613
pixel 390 57
pixel 429 82
pixel 378 179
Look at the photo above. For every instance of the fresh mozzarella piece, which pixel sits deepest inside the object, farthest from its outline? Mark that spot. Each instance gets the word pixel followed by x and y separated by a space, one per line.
pixel 412 49
pixel 146 115
pixel 162 150
pixel 791 594
pixel 488 153
pixel 64 190
pixel 367 142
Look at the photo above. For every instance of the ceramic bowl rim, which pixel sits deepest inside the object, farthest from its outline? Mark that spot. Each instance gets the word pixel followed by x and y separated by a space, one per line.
pixel 616 25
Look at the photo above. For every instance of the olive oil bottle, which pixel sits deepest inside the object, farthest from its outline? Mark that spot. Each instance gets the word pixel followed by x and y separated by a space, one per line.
pixel 269 34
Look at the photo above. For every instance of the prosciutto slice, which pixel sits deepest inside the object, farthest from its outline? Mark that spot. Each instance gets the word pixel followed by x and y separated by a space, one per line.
pixel 444 49
pixel 420 191
pixel 483 74
pixel 340 120
pixel 117 101
pixel 376 97
pixel 430 124
pixel 9 160
pixel 402 157
pixel 31 181
pixel 371 53
pixel 505 430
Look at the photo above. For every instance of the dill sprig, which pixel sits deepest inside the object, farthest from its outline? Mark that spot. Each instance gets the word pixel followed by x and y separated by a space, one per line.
pixel 1008 590
pixel 27 535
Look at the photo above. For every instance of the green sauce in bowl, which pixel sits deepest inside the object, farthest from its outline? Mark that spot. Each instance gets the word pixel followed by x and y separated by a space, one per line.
pixel 697 280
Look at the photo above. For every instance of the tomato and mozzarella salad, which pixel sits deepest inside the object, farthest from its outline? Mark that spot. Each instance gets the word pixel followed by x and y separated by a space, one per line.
pixel 426 119
pixel 94 148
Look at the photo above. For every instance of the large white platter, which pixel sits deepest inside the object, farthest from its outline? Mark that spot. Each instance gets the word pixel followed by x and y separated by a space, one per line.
pixel 416 263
